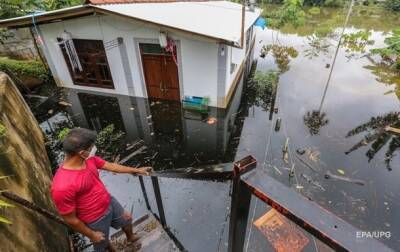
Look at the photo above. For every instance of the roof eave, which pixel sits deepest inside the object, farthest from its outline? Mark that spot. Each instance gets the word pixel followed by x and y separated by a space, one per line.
pixel 89 9
pixel 48 17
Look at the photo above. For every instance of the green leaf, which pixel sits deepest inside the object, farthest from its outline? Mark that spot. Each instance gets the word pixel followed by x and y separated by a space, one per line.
pixel 5 204
pixel 341 171
pixel 5 220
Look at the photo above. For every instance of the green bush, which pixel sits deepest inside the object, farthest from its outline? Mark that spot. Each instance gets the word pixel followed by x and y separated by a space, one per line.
pixel 393 5
pixel 31 68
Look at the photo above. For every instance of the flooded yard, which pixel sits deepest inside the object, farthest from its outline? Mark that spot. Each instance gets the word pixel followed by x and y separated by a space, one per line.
pixel 337 150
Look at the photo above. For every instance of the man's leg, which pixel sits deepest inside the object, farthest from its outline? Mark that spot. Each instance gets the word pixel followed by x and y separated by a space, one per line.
pixel 122 219
pixel 110 248
pixel 130 236
pixel 103 224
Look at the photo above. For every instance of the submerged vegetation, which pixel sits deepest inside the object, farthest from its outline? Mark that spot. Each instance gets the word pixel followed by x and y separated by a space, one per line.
pixel 317 46
pixel 391 53
pixel 262 86
pixel 357 41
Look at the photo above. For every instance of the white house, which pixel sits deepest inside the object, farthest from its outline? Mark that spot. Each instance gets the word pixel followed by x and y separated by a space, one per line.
pixel 119 46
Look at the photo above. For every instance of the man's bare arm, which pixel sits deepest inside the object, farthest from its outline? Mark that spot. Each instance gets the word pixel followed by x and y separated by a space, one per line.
pixel 77 225
pixel 114 167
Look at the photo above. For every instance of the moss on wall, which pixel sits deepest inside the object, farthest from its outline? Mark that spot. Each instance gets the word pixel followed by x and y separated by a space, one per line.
pixel 23 155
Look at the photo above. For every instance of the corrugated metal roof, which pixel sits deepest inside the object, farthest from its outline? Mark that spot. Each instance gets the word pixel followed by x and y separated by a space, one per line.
pixel 220 20
pixel 216 19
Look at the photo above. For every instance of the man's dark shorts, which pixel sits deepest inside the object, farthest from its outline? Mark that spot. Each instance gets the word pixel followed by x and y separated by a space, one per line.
pixel 112 218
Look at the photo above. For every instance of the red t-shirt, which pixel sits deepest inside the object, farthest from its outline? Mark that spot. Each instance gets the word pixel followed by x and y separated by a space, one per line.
pixel 81 191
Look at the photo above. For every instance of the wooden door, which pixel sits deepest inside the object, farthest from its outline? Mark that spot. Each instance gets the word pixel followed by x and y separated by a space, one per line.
pixel 160 73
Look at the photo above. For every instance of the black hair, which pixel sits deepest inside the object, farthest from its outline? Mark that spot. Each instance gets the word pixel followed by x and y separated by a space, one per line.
pixel 78 139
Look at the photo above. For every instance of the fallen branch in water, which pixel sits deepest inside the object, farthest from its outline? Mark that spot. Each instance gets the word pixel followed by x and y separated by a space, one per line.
pixel 306 164
pixel 330 175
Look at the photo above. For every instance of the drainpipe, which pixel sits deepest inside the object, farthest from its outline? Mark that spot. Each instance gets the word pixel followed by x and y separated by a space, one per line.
pixel 39 52
pixel 243 18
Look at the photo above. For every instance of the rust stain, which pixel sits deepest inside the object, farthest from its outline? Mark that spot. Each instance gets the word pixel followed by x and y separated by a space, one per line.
pixel 283 235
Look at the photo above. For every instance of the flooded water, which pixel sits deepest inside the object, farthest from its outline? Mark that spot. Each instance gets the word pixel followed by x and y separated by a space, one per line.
pixel 340 133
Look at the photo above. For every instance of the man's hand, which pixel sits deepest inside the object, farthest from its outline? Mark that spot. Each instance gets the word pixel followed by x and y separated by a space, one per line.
pixel 97 237
pixel 144 170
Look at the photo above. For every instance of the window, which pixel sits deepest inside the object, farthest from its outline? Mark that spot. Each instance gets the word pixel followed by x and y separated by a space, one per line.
pixel 92 56
pixel 153 49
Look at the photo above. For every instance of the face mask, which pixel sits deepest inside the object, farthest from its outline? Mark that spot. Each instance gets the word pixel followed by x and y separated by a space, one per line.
pixel 92 152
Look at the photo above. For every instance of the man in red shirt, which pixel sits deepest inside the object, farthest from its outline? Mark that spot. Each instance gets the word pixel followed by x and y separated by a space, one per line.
pixel 81 197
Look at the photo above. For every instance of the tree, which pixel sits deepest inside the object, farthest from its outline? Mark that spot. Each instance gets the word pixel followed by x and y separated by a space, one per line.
pixel 15 8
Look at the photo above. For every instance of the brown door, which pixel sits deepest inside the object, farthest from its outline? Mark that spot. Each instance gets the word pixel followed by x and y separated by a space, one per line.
pixel 160 73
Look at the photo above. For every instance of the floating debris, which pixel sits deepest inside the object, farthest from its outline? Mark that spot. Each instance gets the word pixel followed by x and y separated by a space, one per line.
pixel 285 151
pixel 277 170
pixel 312 182
pixel 392 129
pixel 132 108
pixel 341 171
pixel 300 151
pixel 313 155
pixel 64 103
pixel 291 172
pixel 136 152
pixel 306 164
pixel 278 124
pixel 211 120
pixel 330 175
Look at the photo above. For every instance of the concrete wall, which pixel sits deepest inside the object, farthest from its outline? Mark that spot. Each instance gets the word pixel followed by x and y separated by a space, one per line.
pixel 197 57
pixel 23 155
pixel 18 44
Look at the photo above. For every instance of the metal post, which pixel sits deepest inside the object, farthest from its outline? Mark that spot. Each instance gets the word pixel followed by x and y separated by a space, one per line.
pixel 240 205
pixel 144 193
pixel 160 207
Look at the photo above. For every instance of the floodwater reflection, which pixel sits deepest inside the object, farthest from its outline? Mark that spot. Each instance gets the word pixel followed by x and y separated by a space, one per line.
pixel 377 136
pixel 172 137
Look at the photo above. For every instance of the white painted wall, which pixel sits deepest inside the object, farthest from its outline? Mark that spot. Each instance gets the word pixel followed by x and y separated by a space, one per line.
pixel 198 64
pixel 235 55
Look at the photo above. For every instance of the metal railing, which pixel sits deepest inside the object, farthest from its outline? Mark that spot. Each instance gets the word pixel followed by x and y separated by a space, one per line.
pixel 247 182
